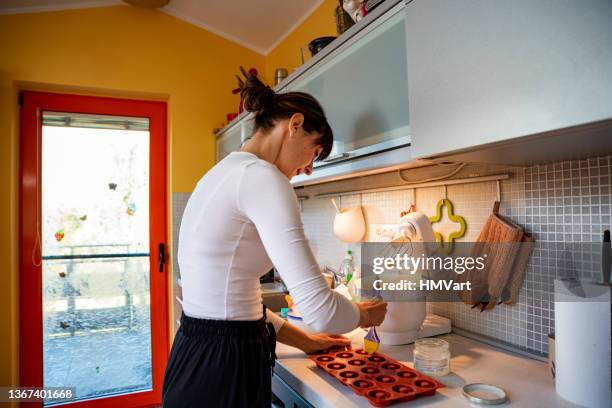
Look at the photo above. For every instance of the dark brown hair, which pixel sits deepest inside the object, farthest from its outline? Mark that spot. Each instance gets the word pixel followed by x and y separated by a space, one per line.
pixel 269 107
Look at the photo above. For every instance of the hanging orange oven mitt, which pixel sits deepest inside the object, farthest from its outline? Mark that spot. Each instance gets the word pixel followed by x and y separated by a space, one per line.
pixel 499 239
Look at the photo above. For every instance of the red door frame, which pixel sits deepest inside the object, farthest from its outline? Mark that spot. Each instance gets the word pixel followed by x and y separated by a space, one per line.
pixel 30 303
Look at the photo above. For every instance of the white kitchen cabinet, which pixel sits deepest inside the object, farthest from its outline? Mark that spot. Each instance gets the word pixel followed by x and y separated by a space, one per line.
pixel 363 87
pixel 488 71
pixel 232 138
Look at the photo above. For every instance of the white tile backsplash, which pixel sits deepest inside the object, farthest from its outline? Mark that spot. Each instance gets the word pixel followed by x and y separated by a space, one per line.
pixel 565 201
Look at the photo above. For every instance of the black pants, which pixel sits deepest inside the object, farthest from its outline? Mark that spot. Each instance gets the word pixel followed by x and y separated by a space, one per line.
pixel 220 363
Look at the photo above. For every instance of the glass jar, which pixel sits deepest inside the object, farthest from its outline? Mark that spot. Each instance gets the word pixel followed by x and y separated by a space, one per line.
pixel 432 357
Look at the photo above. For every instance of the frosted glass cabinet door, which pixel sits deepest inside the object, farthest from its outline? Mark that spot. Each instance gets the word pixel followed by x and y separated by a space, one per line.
pixel 363 87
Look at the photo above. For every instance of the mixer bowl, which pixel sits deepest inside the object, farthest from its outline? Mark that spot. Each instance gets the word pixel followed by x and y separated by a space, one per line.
pixel 402 323
pixel 404 317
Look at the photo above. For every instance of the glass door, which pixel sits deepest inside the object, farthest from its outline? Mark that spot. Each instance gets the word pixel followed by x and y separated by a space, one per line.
pixel 100 259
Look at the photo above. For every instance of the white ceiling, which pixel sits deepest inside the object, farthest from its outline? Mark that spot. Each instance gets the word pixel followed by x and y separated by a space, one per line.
pixel 256 24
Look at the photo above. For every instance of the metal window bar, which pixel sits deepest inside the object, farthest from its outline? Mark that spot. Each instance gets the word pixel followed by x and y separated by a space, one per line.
pixel 96 256
pixel 71 294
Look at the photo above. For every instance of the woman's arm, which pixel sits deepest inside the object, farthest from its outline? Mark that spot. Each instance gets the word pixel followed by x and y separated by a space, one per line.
pixel 266 197
pixel 309 343
pixel 369 311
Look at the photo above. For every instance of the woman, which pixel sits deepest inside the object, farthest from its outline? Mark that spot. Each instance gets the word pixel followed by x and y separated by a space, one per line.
pixel 242 219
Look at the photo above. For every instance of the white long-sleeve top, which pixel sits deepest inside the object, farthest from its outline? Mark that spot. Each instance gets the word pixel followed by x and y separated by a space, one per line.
pixel 242 218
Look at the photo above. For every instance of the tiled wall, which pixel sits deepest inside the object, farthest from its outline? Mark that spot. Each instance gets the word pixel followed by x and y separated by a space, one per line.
pixel 558 202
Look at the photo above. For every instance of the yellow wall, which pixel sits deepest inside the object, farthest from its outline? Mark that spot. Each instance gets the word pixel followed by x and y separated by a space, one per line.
pixel 126 52
pixel 121 51
pixel 322 22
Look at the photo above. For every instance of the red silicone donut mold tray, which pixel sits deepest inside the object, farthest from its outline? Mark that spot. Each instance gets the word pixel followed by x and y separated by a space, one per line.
pixel 380 379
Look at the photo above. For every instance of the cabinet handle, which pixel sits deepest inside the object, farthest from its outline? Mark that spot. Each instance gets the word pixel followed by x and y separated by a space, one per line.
pixel 162 256
pixel 336 157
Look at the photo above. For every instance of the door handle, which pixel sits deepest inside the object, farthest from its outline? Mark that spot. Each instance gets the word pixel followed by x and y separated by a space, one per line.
pixel 162 256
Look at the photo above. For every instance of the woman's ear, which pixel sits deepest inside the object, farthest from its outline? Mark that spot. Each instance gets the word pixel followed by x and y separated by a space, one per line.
pixel 295 123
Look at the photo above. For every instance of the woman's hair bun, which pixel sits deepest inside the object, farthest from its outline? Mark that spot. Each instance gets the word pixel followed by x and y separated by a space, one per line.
pixel 256 97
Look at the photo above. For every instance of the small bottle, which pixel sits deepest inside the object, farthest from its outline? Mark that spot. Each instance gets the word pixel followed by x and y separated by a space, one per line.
pixel 347 268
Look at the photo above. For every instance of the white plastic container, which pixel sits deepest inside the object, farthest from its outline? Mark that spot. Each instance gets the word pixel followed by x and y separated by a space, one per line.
pixel 432 357
pixel 582 343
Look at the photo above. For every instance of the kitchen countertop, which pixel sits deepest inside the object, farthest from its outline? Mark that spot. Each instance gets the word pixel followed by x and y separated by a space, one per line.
pixel 527 382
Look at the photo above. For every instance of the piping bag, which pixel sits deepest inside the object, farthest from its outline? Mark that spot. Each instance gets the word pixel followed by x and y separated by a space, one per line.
pixel 371 340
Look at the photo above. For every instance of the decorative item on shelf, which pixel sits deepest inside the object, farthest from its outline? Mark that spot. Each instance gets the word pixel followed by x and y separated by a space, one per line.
pixel 302 55
pixel 371 5
pixel 241 81
pixel 355 8
pixel 343 20
pixel 318 44
pixel 59 235
pixel 279 75
pixel 453 217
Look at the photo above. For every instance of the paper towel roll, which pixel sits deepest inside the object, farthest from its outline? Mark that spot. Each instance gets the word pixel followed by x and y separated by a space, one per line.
pixel 582 345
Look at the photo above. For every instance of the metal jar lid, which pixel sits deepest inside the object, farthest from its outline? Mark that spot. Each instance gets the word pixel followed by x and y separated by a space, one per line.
pixel 485 394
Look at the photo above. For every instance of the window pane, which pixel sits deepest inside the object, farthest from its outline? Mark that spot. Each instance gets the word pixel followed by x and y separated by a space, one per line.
pixel 95 241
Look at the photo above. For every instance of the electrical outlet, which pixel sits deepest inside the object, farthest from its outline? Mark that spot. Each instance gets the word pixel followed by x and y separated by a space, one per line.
pixel 383 232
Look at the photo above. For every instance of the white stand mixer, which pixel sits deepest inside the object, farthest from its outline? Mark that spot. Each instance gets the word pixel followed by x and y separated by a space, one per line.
pixel 407 320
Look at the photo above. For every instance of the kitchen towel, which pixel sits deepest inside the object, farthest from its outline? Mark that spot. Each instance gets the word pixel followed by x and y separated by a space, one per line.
pixel 582 343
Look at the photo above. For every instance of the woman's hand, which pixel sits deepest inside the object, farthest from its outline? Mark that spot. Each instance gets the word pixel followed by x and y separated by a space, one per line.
pixel 309 343
pixel 318 342
pixel 372 312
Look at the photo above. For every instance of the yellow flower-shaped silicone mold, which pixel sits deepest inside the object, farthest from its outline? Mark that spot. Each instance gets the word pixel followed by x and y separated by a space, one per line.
pixel 453 217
